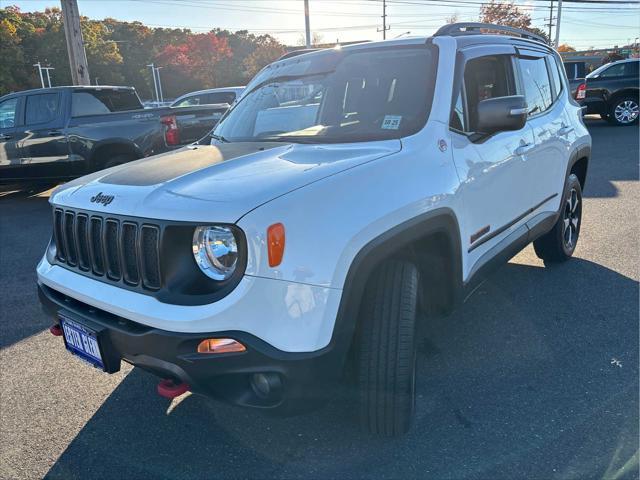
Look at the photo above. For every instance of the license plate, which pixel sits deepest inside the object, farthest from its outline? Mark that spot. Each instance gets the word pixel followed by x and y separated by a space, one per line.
pixel 81 341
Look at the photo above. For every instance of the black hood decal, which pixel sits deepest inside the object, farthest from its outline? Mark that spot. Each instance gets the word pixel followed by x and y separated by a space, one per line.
pixel 165 167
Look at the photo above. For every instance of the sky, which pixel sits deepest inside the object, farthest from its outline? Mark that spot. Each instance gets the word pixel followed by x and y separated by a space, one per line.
pixel 599 25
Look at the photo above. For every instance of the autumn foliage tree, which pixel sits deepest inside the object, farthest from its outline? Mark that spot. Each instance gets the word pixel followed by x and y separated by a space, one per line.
pixel 566 48
pixel 119 52
pixel 508 14
pixel 198 57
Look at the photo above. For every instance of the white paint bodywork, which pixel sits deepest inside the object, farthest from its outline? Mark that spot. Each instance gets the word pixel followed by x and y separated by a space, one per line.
pixel 333 200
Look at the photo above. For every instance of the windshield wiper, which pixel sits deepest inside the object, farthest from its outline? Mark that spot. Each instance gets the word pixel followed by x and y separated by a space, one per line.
pixel 219 138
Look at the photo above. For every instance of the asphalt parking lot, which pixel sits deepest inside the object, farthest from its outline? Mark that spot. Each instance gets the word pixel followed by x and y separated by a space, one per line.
pixel 536 376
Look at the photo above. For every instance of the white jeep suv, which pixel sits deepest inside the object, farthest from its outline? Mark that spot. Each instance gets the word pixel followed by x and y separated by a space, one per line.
pixel 347 191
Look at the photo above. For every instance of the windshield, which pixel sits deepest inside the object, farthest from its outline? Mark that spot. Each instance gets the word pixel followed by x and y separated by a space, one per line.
pixel 336 97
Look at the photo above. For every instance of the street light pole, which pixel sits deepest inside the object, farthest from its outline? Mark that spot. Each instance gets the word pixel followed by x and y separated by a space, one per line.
pixel 46 69
pixel 40 72
pixel 160 85
pixel 155 83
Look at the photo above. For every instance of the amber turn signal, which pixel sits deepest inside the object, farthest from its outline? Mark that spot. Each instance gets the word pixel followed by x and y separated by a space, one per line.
pixel 220 345
pixel 275 244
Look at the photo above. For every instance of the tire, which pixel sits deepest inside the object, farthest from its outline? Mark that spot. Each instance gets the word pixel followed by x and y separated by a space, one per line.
pixel 624 111
pixel 560 242
pixel 117 160
pixel 386 349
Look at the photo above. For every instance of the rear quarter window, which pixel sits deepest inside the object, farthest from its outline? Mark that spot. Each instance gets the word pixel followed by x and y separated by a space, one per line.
pixel 98 102
pixel 536 82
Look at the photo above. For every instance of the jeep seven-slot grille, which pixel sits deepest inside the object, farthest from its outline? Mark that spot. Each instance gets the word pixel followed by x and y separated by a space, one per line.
pixel 108 247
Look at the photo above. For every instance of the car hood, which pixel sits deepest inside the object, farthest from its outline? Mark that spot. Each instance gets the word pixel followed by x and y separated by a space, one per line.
pixel 213 183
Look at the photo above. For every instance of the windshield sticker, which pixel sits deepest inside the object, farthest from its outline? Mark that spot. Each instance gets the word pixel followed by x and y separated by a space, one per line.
pixel 391 122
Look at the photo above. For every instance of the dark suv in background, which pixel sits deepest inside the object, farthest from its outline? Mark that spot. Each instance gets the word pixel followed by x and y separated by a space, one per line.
pixel 612 91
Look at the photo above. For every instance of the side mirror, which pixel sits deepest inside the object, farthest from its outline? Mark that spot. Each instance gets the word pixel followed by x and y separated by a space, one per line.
pixel 502 114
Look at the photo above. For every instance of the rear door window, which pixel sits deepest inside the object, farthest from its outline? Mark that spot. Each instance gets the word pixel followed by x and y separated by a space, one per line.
pixel 221 97
pixel 537 85
pixel 42 108
pixel 98 102
pixel 192 101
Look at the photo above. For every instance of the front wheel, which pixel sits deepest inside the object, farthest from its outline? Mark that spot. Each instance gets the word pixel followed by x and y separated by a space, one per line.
pixel 559 244
pixel 624 111
pixel 386 349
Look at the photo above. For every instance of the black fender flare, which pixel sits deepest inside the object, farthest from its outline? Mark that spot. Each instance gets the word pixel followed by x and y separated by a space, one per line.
pixel 580 152
pixel 437 221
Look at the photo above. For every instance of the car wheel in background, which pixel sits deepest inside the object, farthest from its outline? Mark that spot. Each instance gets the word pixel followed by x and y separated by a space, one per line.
pixel 117 160
pixel 386 349
pixel 624 111
pixel 559 244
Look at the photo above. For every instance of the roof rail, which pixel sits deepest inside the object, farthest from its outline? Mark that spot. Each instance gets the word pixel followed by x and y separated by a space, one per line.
pixel 295 53
pixel 466 28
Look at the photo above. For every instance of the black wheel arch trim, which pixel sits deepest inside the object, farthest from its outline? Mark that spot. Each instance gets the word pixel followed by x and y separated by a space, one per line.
pixel 580 152
pixel 438 221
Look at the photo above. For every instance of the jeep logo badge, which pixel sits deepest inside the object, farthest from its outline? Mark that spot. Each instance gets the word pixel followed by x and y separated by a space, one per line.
pixel 103 199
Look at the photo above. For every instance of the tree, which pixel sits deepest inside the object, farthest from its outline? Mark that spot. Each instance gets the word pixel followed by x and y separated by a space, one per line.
pixel 267 50
pixel 508 14
pixel 612 57
pixel 196 60
pixel 566 48
pixel 119 52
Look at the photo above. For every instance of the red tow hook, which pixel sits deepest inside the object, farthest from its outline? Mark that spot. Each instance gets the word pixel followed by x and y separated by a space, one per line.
pixel 170 390
pixel 56 330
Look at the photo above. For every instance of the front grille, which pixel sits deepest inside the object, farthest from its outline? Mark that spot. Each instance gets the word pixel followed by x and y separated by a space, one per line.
pixel 106 247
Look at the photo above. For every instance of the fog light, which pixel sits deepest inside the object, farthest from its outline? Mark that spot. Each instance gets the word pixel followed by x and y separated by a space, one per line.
pixel 220 345
pixel 265 384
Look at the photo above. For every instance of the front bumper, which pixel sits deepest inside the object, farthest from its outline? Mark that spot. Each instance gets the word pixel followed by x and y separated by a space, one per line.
pixel 302 377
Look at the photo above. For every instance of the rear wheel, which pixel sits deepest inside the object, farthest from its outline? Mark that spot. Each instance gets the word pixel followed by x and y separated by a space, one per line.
pixel 386 350
pixel 624 111
pixel 559 244
pixel 117 160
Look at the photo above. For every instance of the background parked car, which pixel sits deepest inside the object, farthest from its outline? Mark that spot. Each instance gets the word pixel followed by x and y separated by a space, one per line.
pixel 54 134
pixel 209 97
pixel 576 71
pixel 612 91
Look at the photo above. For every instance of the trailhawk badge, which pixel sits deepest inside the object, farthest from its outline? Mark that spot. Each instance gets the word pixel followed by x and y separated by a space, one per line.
pixel 103 199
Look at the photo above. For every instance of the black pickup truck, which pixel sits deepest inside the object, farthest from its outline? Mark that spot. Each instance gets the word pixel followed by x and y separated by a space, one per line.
pixel 54 134
pixel 612 91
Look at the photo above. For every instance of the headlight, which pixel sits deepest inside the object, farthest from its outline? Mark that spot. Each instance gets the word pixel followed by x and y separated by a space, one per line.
pixel 215 249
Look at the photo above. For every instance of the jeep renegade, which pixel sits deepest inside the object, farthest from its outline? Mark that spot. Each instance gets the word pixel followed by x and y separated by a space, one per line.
pixel 347 191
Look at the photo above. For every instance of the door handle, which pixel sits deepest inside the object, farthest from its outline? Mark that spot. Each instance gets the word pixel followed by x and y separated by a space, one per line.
pixel 565 130
pixel 5 137
pixel 523 149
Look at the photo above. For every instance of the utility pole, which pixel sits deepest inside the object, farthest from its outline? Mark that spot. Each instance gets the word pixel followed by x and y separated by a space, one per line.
pixel 75 44
pixel 550 24
pixel 307 26
pixel 46 69
pixel 155 83
pixel 40 72
pixel 557 42
pixel 384 20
